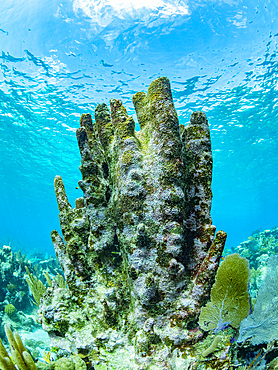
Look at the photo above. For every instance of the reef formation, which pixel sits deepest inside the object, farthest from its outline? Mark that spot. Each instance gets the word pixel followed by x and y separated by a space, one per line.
pixel 139 251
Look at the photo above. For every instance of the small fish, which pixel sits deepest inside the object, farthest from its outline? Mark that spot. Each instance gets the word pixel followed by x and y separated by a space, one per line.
pixel 222 258
pixel 46 356
pixel 231 341
pixel 77 187
pixel 102 62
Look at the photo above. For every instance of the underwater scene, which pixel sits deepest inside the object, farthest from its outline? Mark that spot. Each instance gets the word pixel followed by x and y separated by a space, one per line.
pixel 139 185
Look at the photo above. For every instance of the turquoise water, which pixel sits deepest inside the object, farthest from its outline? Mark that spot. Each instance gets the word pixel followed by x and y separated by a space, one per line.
pixel 59 59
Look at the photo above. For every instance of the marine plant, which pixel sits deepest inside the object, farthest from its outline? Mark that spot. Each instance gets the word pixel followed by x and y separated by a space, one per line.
pixel 139 251
pixel 261 326
pixel 36 286
pixel 58 280
pixel 229 298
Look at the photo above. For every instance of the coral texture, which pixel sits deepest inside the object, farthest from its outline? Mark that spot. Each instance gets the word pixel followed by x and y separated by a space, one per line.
pixel 139 251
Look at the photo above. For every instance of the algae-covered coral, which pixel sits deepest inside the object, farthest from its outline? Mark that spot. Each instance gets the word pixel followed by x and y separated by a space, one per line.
pixel 139 251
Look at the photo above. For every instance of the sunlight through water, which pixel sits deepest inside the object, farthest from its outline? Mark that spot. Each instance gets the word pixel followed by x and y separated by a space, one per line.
pixel 59 59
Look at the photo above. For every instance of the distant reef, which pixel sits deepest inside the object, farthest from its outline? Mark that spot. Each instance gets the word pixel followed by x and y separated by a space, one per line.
pixel 139 251
pixel 17 308
pixel 14 291
pixel 258 249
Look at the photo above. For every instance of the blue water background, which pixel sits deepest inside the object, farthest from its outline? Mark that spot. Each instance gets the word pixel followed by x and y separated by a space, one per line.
pixel 58 59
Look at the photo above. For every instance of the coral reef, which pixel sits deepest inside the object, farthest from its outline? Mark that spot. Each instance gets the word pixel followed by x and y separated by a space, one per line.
pixel 20 358
pixel 139 251
pixel 13 286
pixel 16 307
pixel 259 246
pixel 72 362
pixel 257 249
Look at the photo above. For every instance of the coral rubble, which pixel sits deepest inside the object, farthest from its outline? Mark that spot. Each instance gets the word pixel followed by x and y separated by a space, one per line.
pixel 139 251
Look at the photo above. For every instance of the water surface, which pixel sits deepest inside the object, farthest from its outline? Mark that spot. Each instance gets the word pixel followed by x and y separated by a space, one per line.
pixel 60 59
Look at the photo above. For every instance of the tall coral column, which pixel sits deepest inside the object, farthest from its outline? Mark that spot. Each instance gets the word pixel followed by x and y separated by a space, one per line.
pixel 139 245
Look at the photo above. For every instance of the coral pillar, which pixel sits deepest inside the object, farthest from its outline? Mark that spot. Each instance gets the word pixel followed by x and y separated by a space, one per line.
pixel 139 252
